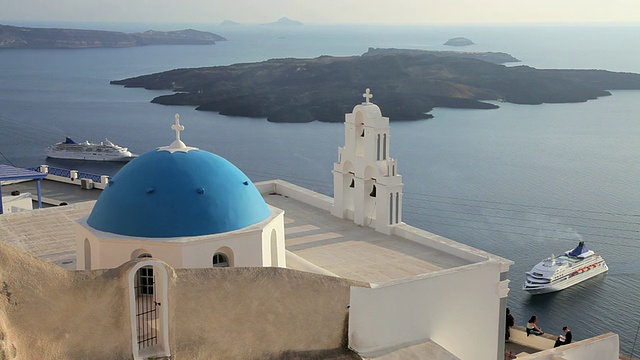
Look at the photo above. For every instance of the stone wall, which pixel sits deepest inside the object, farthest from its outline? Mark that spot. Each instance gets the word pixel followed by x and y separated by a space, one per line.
pixel 258 313
pixel 47 312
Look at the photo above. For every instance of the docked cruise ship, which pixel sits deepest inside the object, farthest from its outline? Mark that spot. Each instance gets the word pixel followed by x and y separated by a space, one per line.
pixel 557 273
pixel 102 151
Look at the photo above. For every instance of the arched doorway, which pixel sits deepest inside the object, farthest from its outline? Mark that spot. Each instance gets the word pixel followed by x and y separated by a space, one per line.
pixel 149 309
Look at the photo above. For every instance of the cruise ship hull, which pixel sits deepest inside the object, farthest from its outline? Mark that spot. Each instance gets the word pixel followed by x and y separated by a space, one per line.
pixel 103 151
pixel 558 273
pixel 563 284
pixel 91 157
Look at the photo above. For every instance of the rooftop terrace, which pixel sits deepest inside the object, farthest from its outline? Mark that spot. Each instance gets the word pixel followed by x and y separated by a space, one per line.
pixel 352 251
pixel 336 245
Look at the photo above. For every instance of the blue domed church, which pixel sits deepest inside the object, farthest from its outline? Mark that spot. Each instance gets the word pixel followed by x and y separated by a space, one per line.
pixel 185 206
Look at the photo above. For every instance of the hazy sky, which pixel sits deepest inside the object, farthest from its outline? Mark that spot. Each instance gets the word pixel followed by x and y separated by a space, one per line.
pixel 323 11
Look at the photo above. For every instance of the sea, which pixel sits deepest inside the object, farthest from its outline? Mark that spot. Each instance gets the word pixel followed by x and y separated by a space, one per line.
pixel 521 181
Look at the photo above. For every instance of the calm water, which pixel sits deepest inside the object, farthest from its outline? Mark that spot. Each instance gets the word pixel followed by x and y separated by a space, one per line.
pixel 521 181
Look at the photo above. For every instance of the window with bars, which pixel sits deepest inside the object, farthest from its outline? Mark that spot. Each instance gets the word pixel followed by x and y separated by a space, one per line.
pixel 220 260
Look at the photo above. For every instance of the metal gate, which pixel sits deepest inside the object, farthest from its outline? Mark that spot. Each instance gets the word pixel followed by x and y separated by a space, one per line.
pixel 146 308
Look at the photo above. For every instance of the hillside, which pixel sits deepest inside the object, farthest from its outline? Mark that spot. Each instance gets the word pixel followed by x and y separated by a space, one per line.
pixel 489 56
pixel 14 37
pixel 406 86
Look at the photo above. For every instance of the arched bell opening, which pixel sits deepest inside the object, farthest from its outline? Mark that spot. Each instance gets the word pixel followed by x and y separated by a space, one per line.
pixel 360 134
pixel 349 186
pixel 370 194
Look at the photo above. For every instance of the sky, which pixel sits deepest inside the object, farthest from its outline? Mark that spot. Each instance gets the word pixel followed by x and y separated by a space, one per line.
pixel 323 11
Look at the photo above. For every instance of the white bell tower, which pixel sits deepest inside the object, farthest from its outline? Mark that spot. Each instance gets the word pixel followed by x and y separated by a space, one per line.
pixel 367 187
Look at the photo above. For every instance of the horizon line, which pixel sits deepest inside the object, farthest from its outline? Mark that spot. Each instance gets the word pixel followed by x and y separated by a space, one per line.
pixel 240 24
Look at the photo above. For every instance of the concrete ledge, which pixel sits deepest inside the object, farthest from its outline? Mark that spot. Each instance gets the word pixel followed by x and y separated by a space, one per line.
pixel 449 246
pixel 296 262
pixel 48 201
pixel 77 182
pixel 301 194
pixel 537 342
pixel 602 347
pixel 412 351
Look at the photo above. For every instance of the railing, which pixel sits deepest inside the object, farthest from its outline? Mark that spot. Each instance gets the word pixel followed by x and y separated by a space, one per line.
pixel 66 173
pixel 59 172
pixel 84 175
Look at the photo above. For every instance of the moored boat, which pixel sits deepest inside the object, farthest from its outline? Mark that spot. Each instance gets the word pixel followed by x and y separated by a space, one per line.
pixel 102 151
pixel 557 273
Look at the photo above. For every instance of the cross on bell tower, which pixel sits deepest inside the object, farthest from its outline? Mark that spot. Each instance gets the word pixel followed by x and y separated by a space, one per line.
pixel 367 95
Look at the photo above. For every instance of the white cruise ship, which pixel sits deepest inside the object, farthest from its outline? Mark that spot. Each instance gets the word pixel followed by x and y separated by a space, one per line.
pixel 103 151
pixel 557 273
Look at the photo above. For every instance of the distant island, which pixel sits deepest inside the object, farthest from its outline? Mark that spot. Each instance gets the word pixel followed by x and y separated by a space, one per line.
pixel 229 23
pixel 15 37
pixel 492 57
pixel 459 41
pixel 285 21
pixel 407 85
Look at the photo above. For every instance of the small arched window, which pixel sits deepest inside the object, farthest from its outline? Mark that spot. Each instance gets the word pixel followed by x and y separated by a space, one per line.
pixel 220 260
pixel 145 277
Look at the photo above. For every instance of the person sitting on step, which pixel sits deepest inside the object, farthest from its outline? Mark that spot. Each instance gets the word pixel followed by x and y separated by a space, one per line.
pixel 532 326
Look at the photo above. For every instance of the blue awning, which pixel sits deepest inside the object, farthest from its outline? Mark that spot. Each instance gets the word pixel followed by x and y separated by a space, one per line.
pixel 14 173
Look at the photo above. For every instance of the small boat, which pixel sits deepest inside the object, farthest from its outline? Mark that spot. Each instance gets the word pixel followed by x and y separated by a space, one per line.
pixel 102 151
pixel 557 273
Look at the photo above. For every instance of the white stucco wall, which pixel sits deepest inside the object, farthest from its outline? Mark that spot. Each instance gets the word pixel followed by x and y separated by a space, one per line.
pixel 603 347
pixel 109 252
pixel 22 202
pixel 445 307
pixel 273 243
pixel 250 246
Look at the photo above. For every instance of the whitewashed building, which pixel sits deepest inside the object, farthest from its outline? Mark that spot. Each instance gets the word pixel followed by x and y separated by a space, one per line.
pixel 303 271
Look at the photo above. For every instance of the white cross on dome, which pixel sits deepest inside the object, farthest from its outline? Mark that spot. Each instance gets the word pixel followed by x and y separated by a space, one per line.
pixel 178 128
pixel 177 145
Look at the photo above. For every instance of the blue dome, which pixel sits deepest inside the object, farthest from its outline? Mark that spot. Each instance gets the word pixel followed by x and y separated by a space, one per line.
pixel 172 194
